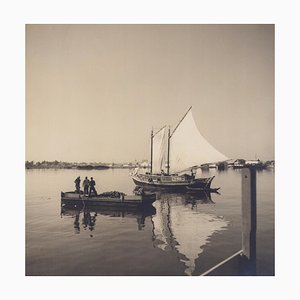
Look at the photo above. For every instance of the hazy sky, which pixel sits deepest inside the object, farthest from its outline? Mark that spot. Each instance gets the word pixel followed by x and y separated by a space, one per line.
pixel 93 92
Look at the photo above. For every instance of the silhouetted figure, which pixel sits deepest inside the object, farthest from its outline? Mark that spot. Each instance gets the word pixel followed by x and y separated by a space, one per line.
pixel 86 219
pixel 92 187
pixel 141 222
pixel 89 221
pixel 193 173
pixel 77 223
pixel 86 184
pixel 92 222
pixel 77 184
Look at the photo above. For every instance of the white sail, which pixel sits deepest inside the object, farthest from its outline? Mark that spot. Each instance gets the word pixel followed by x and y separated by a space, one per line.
pixel 159 145
pixel 189 148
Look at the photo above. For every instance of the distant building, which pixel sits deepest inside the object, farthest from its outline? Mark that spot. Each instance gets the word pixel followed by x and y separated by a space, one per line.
pixel 144 164
pixel 270 163
pixel 252 162
pixel 239 163
pixel 222 165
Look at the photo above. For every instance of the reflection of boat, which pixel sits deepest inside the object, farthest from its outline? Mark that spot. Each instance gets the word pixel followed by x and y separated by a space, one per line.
pixel 69 210
pixel 107 199
pixel 181 153
pixel 198 197
pixel 181 226
pixel 88 216
pixel 200 189
pixel 201 197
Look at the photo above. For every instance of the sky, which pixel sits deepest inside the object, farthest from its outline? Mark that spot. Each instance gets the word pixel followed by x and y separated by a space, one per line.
pixel 94 92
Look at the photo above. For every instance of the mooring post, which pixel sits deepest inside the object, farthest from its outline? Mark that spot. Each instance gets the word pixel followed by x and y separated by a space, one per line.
pixel 243 262
pixel 249 221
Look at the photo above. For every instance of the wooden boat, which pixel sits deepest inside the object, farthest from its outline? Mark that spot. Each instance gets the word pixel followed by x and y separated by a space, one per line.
pixel 173 182
pixel 112 199
pixel 176 157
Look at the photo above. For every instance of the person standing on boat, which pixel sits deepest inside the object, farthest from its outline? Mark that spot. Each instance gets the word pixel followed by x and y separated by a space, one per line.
pixel 86 184
pixel 77 184
pixel 92 187
pixel 193 173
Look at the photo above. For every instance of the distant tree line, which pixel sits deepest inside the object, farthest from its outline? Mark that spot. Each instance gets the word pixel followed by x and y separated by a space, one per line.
pixel 49 165
pixel 74 165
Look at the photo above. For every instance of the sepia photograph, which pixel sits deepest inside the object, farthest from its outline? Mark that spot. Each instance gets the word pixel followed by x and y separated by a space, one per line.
pixel 149 149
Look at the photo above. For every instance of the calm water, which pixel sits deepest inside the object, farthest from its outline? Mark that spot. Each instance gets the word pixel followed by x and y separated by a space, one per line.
pixel 182 234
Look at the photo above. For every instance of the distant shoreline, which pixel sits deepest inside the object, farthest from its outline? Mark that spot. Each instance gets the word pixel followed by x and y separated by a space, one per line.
pixel 79 166
pixel 238 163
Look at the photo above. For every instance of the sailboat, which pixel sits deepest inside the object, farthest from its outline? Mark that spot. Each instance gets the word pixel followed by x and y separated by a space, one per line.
pixel 176 156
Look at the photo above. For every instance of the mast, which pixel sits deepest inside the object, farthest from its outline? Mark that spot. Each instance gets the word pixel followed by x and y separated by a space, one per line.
pixel 151 158
pixel 154 149
pixel 169 137
pixel 168 158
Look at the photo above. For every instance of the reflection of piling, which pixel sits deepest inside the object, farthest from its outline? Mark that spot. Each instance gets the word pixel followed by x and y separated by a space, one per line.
pixel 244 261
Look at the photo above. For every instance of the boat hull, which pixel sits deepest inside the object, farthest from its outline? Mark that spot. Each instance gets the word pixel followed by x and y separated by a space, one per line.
pixel 172 182
pixel 75 199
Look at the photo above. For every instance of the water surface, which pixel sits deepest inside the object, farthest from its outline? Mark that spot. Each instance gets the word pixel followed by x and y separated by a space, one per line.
pixel 182 234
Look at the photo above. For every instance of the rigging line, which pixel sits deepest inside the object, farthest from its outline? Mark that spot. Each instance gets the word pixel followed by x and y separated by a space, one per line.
pixel 158 131
pixel 180 121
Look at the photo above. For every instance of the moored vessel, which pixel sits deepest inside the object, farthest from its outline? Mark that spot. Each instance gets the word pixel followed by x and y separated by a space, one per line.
pixel 176 156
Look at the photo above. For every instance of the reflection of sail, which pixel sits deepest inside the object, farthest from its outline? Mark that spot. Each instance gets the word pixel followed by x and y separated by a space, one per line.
pixel 161 226
pixel 186 231
pixel 158 150
pixel 192 231
pixel 189 148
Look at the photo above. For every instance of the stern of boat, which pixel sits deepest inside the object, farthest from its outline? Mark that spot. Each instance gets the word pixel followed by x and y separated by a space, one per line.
pixel 203 183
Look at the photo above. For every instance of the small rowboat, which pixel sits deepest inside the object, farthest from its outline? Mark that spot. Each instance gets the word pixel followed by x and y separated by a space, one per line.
pixel 107 199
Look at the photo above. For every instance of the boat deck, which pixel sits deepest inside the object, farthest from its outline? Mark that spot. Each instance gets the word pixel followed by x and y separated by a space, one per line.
pixel 71 198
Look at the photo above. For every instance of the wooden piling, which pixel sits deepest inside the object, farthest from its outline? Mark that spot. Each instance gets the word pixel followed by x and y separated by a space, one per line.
pixel 249 220
pixel 244 261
